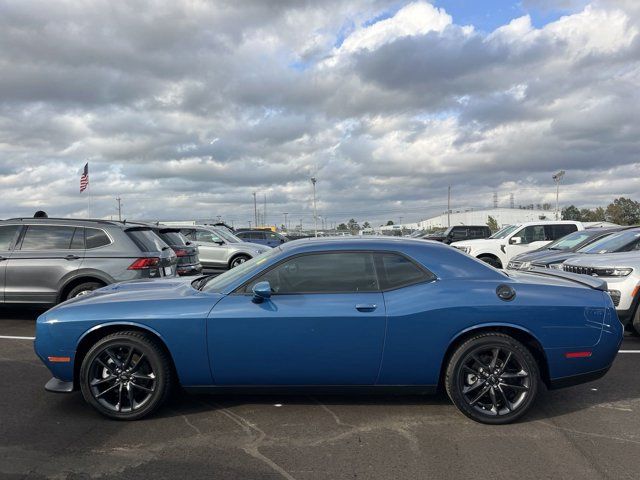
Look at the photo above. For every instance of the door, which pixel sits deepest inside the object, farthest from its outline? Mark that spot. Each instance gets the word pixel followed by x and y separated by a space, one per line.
pixel 531 237
pixel 212 250
pixel 8 234
pixel 323 325
pixel 272 239
pixel 44 257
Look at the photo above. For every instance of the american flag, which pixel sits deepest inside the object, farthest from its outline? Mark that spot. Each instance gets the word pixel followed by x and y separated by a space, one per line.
pixel 84 179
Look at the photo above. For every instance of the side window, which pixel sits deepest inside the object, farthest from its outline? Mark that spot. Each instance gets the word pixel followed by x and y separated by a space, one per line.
pixel 190 234
pixel 207 237
pixel 397 271
pixel 7 234
pixel 532 233
pixel 554 232
pixel 96 238
pixel 459 233
pixel 348 272
pixel 47 237
pixel 77 242
pixel 272 236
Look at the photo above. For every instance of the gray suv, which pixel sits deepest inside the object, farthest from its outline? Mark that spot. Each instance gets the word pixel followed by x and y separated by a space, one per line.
pixel 49 260
pixel 220 248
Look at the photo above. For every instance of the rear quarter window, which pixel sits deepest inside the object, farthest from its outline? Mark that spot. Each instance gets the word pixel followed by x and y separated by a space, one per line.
pixel 397 271
pixel 94 238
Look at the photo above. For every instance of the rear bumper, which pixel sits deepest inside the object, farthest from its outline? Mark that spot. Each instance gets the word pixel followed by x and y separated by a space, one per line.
pixel 186 270
pixel 572 380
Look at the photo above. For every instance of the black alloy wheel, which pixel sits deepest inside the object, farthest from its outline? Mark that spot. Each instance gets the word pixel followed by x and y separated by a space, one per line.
pixel 126 375
pixel 492 378
pixel 239 260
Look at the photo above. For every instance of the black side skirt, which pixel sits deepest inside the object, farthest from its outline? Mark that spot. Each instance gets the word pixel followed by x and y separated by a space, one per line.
pixel 314 389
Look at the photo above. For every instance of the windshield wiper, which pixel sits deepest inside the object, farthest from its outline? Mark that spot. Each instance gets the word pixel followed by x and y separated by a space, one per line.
pixel 199 283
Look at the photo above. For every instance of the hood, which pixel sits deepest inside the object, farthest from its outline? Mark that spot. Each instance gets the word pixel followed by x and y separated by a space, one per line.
pixel 478 242
pixel 544 276
pixel 138 291
pixel 544 257
pixel 622 260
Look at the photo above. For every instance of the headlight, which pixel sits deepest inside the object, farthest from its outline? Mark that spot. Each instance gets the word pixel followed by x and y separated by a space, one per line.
pixel 465 249
pixel 612 272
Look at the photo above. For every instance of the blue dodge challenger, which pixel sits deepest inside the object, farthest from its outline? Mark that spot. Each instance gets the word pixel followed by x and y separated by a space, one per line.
pixel 348 315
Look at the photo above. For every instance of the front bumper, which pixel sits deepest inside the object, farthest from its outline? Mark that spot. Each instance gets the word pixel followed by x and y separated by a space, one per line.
pixel 58 386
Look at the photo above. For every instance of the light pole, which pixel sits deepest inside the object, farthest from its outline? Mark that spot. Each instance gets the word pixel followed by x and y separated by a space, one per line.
pixel 558 178
pixel 286 227
pixel 315 212
pixel 255 210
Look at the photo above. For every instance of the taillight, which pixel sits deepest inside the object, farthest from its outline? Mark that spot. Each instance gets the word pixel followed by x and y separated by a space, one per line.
pixel 144 263
pixel 181 253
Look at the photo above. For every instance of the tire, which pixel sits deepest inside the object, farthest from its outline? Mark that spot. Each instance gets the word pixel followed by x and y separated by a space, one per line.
pixel 239 260
pixel 83 288
pixel 635 323
pixel 509 387
pixel 126 375
pixel 494 262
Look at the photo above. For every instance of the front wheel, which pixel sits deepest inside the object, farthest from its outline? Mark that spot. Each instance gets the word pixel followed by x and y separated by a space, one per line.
pixel 239 260
pixel 492 378
pixel 494 262
pixel 126 375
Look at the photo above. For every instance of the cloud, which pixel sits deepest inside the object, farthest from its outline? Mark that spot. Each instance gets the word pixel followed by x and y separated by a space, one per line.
pixel 184 108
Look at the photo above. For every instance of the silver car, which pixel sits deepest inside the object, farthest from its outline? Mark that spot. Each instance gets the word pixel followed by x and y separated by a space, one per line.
pixel 48 260
pixel 220 248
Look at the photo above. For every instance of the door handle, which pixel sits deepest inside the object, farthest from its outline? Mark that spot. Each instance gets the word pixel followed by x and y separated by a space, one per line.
pixel 71 257
pixel 366 307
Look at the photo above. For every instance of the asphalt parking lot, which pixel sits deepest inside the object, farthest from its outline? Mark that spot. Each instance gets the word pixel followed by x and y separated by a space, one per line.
pixel 588 432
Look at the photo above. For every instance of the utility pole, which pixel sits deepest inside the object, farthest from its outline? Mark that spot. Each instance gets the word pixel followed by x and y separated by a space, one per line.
pixel 512 201
pixel 495 199
pixel 558 178
pixel 255 211
pixel 264 213
pixel 119 200
pixel 315 211
pixel 449 207
pixel 286 227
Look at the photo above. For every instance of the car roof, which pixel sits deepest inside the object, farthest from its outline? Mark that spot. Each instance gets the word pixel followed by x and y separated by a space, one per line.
pixel 369 242
pixel 62 221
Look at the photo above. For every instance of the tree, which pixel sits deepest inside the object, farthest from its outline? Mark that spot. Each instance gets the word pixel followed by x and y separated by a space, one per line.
pixel 366 225
pixel 546 206
pixel 343 227
pixel 390 222
pixel 492 223
pixel 596 215
pixel 353 226
pixel 571 213
pixel 623 211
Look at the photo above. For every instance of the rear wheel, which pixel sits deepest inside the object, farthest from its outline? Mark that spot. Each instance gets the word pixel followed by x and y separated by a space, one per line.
pixel 126 375
pixel 83 289
pixel 492 378
pixel 239 260
pixel 493 261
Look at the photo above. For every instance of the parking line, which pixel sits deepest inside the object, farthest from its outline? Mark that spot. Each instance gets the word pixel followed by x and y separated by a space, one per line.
pixel 8 337
pixel 628 351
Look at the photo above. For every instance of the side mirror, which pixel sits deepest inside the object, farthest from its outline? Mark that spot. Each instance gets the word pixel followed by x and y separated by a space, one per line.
pixel 261 291
pixel 219 242
pixel 515 240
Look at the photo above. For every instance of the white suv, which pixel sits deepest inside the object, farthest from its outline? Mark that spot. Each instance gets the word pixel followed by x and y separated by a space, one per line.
pixel 513 240
pixel 621 271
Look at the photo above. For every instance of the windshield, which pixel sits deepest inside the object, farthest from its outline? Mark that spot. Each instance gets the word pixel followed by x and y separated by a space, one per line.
pixel 222 281
pixel 618 242
pixel 417 233
pixel 504 231
pixel 570 241
pixel 227 236
pixel 172 238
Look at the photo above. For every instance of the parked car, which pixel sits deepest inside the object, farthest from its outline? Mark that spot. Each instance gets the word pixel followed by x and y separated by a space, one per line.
pixel 621 271
pixel 185 250
pixel 220 248
pixel 49 260
pixel 263 237
pixel 460 233
pixel 553 254
pixel 349 314
pixel 512 240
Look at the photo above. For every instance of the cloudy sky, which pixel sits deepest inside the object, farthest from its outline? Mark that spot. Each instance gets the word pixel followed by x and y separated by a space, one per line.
pixel 185 107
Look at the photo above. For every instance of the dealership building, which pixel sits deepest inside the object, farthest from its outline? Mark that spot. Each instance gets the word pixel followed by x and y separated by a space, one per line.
pixel 504 216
